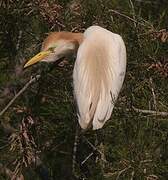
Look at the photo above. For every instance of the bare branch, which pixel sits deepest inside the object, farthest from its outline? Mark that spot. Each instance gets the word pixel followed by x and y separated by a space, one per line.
pixel 32 80
pixel 144 111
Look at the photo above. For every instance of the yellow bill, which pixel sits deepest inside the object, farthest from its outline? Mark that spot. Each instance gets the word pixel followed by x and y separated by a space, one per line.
pixel 37 58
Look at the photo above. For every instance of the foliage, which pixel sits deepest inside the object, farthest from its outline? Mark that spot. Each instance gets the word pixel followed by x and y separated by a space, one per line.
pixel 38 130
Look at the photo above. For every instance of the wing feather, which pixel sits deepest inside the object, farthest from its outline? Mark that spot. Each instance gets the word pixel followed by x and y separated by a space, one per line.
pixel 98 75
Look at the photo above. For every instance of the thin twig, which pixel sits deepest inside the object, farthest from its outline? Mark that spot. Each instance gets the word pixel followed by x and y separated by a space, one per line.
pixel 32 80
pixel 103 157
pixel 94 148
pixel 19 40
pixel 153 93
pixel 144 111
pixel 132 175
pixel 110 174
pixel 75 149
pixel 133 12
pixel 120 172
pixel 131 19
pixel 91 154
pixel 2 147
pixel 123 15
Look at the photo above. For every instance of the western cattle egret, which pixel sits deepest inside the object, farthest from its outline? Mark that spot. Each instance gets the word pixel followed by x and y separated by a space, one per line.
pixel 98 73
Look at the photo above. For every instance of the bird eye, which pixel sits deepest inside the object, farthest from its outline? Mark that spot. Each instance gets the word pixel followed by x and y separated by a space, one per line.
pixel 51 49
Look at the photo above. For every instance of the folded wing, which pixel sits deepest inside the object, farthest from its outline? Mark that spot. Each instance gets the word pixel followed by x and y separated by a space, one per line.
pixel 98 75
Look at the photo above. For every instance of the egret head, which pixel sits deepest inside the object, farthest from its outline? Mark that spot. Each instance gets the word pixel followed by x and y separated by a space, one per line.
pixel 56 46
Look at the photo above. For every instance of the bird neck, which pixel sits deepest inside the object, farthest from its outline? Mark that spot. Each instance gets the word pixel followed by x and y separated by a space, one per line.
pixel 78 37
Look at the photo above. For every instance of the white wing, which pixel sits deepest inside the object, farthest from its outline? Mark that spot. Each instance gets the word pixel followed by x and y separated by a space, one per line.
pixel 98 75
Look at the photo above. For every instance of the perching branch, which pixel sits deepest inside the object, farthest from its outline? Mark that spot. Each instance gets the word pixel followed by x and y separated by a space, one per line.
pixel 32 80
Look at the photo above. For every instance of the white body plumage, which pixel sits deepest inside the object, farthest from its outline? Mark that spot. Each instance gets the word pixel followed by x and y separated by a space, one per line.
pixel 98 75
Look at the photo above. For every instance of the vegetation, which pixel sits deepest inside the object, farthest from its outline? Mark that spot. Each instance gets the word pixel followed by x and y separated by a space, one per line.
pixel 38 130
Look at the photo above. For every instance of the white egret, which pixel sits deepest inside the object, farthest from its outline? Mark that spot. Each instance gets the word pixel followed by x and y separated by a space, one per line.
pixel 98 73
